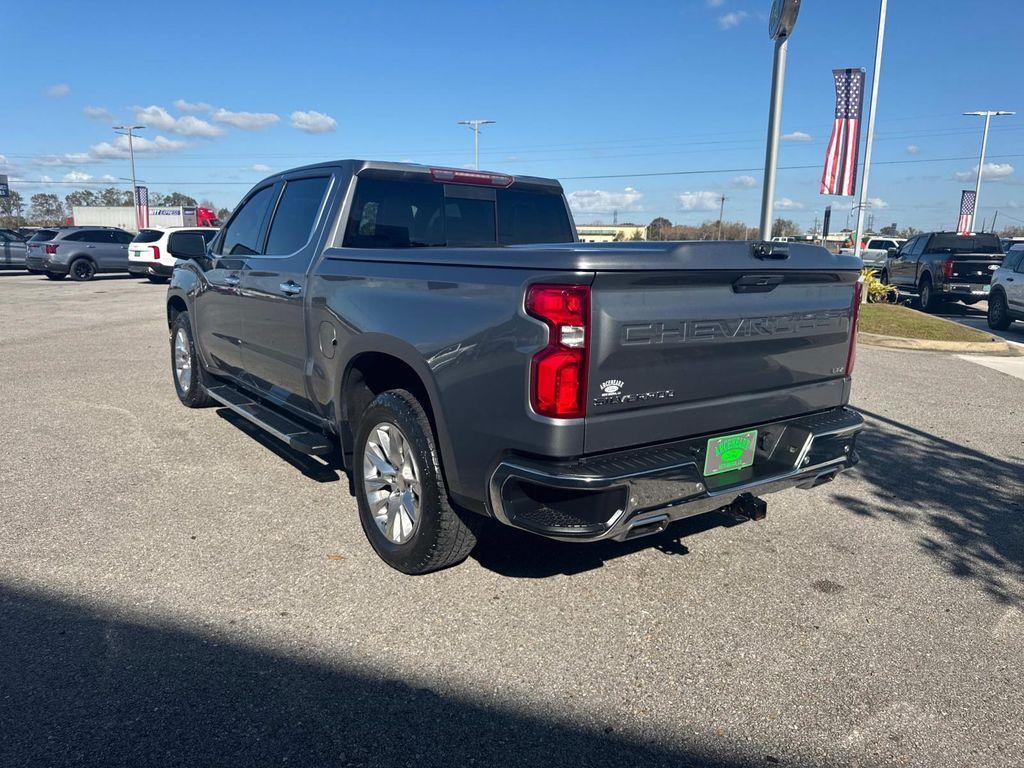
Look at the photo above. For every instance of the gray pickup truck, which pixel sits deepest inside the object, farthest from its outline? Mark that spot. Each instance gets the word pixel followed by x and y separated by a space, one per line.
pixel 443 336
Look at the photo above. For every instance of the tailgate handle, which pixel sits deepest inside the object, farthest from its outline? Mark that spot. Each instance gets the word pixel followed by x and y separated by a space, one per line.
pixel 771 250
pixel 756 283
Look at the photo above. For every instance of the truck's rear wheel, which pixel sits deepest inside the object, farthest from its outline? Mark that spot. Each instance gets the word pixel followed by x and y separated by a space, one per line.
pixel 403 502
pixel 186 370
pixel 929 301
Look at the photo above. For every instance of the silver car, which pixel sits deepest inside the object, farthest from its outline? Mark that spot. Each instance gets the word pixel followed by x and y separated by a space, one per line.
pixel 12 249
pixel 1006 297
pixel 82 252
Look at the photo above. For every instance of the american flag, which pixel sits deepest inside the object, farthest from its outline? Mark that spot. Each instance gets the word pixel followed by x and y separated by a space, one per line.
pixel 966 222
pixel 141 207
pixel 840 174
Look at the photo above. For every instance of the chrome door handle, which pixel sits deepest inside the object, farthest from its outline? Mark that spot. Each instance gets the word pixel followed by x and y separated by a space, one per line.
pixel 291 288
pixel 231 280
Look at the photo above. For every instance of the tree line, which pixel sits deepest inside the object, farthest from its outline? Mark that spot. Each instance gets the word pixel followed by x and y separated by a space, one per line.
pixel 663 229
pixel 44 209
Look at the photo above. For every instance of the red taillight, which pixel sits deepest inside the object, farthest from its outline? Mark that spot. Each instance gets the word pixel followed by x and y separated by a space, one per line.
pixel 947 268
pixel 455 176
pixel 851 356
pixel 558 385
pixel 51 248
pixel 156 252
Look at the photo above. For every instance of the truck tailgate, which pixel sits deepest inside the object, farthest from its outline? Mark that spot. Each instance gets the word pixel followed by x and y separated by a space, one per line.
pixel 677 354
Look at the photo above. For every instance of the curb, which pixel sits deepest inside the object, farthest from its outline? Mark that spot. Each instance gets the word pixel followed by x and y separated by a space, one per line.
pixel 994 347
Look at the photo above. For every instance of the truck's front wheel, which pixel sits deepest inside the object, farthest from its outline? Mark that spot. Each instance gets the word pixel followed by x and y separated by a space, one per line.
pixel 185 365
pixel 403 503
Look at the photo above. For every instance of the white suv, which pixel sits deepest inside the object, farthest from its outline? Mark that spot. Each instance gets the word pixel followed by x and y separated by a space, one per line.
pixel 151 252
pixel 1006 296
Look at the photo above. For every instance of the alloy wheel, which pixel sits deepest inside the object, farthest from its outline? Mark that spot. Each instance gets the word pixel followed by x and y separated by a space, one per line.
pixel 182 360
pixel 391 482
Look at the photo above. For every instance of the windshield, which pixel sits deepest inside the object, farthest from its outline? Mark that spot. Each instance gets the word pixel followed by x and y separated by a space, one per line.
pixel 43 235
pixel 948 243
pixel 147 236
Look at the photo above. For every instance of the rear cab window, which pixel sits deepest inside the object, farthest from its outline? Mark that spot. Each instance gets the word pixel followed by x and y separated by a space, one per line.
pixel 391 213
pixel 953 244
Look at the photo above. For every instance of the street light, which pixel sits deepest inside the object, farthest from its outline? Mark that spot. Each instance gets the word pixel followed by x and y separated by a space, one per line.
pixel 988 115
pixel 780 27
pixel 474 125
pixel 126 130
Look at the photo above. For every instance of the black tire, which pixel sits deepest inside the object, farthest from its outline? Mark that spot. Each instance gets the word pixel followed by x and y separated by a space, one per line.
pixel 193 394
pixel 82 270
pixel 928 300
pixel 156 279
pixel 442 535
pixel 998 313
pixel 55 276
pixel 884 277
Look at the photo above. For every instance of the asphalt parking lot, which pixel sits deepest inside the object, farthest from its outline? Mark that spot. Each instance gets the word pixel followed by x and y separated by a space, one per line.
pixel 175 590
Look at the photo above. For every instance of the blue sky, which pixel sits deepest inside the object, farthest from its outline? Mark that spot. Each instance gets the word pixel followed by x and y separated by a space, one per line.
pixel 231 91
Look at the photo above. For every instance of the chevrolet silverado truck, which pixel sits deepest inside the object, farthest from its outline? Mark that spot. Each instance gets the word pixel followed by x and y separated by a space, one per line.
pixel 944 266
pixel 442 336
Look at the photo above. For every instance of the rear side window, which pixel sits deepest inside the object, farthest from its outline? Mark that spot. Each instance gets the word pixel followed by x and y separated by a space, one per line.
pixel 241 238
pixel 396 214
pixel 147 236
pixel 43 236
pixel 296 215
pixel 1013 258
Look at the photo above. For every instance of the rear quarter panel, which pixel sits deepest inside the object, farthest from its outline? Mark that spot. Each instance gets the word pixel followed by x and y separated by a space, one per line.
pixel 464 331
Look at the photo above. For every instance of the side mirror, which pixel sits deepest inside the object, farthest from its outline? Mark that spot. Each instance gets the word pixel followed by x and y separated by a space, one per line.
pixel 893 253
pixel 188 245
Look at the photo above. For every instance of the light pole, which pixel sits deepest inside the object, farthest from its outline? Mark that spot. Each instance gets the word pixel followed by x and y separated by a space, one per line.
pixel 780 27
pixel 474 125
pixel 876 75
pixel 721 212
pixel 126 130
pixel 988 114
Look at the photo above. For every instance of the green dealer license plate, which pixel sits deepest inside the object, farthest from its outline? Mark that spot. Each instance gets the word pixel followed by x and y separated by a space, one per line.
pixel 730 452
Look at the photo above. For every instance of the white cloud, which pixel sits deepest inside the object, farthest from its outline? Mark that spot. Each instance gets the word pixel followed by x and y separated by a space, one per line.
pixel 68 158
pixel 992 172
pixel 58 90
pixel 313 122
pixel 98 113
pixel 192 106
pixel 731 19
pixel 246 121
pixel 119 149
pixel 785 204
pixel 913 149
pixel 744 182
pixel 796 136
pixel 603 201
pixel 259 167
pixel 45 179
pixel 158 117
pixel 77 176
pixel 107 177
pixel 703 200
pixel 877 202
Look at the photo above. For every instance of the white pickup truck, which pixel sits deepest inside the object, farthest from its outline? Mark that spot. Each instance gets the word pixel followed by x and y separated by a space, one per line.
pixel 875 251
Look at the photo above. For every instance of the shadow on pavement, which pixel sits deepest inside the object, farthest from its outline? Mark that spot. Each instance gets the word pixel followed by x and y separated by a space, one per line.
pixel 972 503
pixel 510 552
pixel 81 686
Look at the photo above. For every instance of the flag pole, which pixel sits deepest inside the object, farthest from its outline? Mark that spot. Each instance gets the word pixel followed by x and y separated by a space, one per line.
pixel 875 76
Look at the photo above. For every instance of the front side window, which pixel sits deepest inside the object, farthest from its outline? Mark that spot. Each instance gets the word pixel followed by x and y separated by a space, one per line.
pixel 296 214
pixel 241 238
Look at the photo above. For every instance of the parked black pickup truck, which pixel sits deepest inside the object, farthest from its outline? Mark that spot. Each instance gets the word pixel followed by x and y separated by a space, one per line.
pixel 944 266
pixel 443 335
